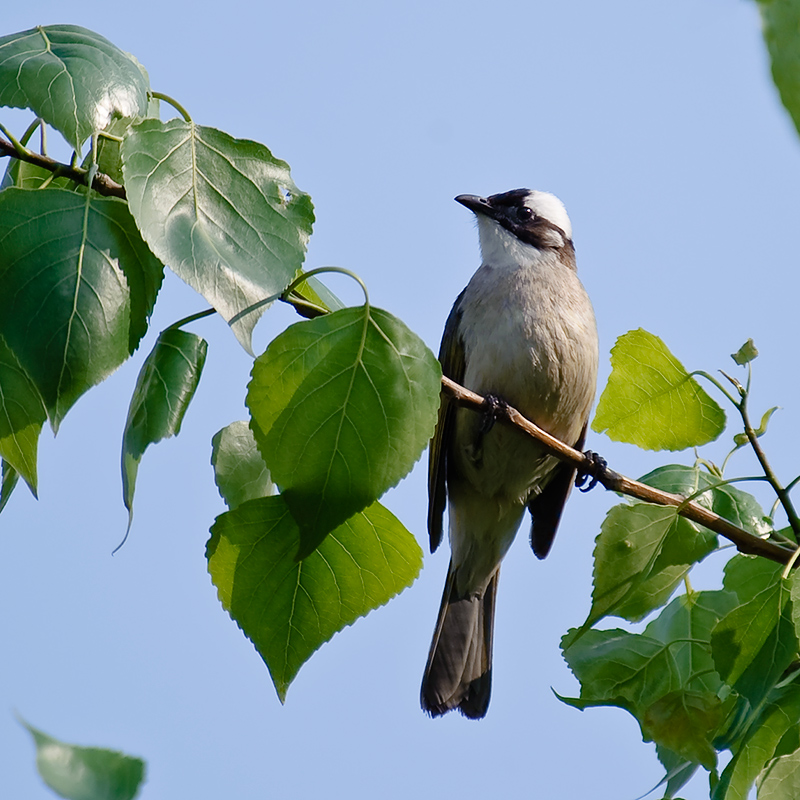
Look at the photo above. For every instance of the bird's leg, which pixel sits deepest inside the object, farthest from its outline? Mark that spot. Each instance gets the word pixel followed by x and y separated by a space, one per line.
pixel 598 465
pixel 494 407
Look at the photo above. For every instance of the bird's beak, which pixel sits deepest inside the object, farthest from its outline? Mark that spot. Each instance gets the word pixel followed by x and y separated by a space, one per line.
pixel 478 205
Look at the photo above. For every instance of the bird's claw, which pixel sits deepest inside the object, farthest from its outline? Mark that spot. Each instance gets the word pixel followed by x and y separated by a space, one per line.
pixel 493 408
pixel 598 464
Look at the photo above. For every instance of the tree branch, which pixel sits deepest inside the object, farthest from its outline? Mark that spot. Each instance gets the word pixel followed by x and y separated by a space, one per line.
pixel 745 542
pixel 102 184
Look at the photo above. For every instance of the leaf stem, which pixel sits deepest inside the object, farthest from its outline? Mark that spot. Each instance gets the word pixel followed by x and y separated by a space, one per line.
pixel 780 491
pixel 174 103
pixel 712 379
pixel 191 318
pixel 284 295
pixel 19 149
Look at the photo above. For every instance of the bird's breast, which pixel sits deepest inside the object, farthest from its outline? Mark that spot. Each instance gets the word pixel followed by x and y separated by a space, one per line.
pixel 530 337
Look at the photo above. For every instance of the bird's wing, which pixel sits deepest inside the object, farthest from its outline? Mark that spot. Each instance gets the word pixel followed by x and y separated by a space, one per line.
pixel 451 357
pixel 547 506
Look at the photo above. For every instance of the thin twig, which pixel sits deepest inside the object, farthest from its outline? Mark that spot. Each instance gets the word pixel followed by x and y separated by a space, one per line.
pixel 745 542
pixel 102 184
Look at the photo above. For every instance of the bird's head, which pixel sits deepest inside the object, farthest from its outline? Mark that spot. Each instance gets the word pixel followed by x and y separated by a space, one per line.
pixel 512 222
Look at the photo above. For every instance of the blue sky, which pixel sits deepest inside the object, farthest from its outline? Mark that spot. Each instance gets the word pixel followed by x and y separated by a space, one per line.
pixel 660 129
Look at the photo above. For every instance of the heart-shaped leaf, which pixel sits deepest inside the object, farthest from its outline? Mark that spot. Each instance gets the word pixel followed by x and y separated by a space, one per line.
pixel 224 213
pixel 71 77
pixel 343 406
pixel 77 285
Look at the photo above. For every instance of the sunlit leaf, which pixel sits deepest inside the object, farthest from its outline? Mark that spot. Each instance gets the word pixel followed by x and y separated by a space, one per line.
pixel 224 213
pixel 745 354
pixel 651 401
pixel 71 77
pixel 343 406
pixel 642 553
pixel 77 285
pixel 289 608
pixel 239 470
pixel 781 779
pixel 164 389
pixel 85 773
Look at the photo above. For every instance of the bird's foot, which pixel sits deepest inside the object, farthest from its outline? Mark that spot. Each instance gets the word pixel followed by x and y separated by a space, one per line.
pixel 597 466
pixel 494 407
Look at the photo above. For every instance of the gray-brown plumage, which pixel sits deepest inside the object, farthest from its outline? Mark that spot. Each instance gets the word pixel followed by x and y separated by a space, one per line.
pixel 523 330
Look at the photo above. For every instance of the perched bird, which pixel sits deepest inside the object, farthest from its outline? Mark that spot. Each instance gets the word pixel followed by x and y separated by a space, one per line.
pixel 522 332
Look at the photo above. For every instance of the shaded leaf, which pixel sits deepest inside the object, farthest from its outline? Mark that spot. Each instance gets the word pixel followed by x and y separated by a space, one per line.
pixel 679 770
pixel 738 507
pixel 288 608
pixel 343 406
pixel 164 389
pixel 22 414
pixel 71 77
pixel 745 354
pixel 684 722
pixel 9 480
pixel 29 176
pixel 617 668
pixel 781 26
pixel 758 747
pixel 224 213
pixel 77 285
pixel 651 401
pixel 753 625
pixel 686 625
pixel 85 773
pixel 239 470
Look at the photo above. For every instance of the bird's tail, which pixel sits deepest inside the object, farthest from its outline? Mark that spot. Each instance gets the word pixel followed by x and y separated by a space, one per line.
pixel 459 670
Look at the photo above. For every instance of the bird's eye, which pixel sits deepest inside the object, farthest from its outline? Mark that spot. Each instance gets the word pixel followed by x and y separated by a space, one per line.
pixel 524 213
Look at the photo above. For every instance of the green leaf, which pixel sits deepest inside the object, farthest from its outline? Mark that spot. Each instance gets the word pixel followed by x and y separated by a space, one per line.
pixel 642 553
pixel 85 773
pixel 683 721
pixel 733 504
pixel 289 608
pixel 239 470
pixel 29 176
pixel 74 79
pixel 679 770
pixel 781 779
pixel 342 405
pixel 617 668
pixel 745 354
pixel 224 213
pixel 7 484
pixel 758 747
pixel 22 414
pixel 752 632
pixel 77 285
pixel 780 23
pixel 651 401
pixel 686 625
pixel 164 389
pixel 317 294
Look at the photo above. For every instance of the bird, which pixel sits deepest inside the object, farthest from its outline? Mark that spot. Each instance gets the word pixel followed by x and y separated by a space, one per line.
pixel 523 333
